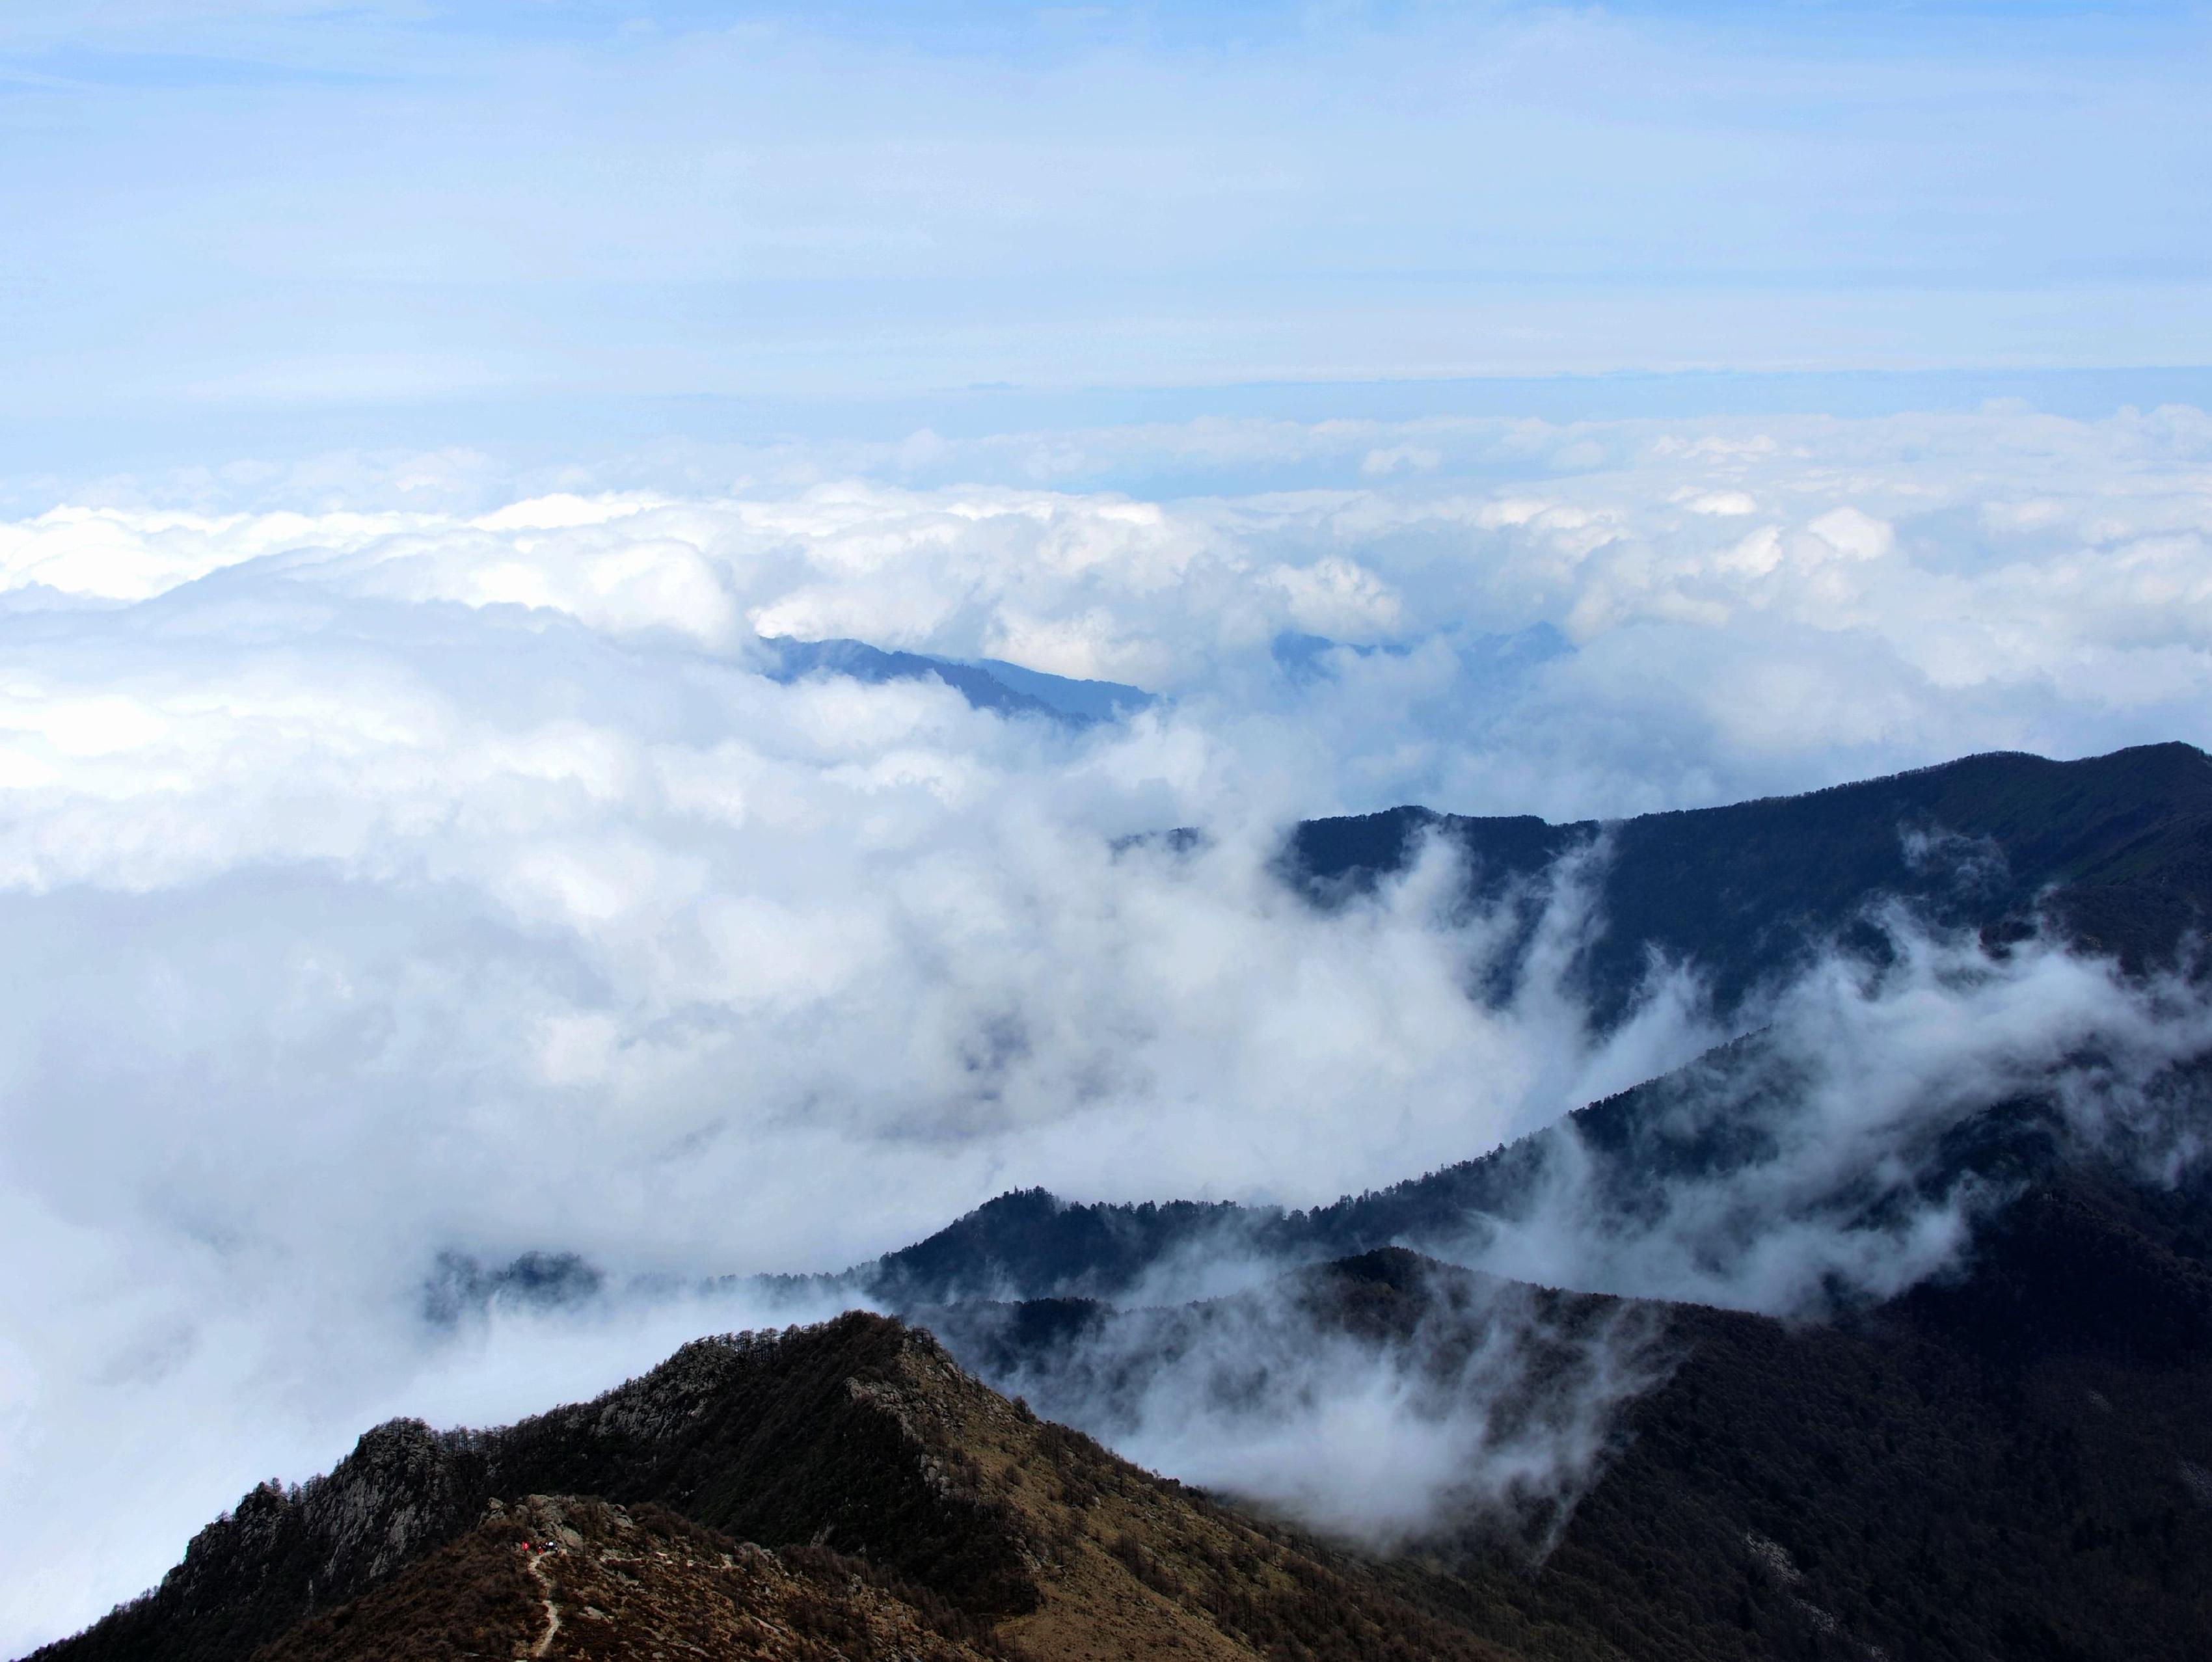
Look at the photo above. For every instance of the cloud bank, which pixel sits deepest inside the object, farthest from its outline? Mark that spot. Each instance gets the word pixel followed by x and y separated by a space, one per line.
pixel 1471 1406
pixel 401 856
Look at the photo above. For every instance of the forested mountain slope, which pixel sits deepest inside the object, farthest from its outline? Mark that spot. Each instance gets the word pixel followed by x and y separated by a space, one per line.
pixel 1627 1158
pixel 2114 853
pixel 2010 1463
pixel 2121 844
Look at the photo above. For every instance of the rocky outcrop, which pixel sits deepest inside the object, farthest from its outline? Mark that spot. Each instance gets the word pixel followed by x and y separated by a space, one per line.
pixel 560 1576
pixel 859 1446
pixel 809 1435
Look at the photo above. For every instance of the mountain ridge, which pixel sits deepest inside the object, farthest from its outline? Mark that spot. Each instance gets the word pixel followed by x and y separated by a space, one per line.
pixel 1931 1477
pixel 2137 821
pixel 990 684
pixel 2153 839
pixel 2114 850
pixel 868 1440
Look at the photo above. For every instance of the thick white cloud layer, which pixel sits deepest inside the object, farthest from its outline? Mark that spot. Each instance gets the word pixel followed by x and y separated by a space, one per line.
pixel 400 857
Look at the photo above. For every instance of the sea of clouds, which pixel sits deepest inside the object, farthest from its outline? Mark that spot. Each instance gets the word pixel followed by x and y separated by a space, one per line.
pixel 407 855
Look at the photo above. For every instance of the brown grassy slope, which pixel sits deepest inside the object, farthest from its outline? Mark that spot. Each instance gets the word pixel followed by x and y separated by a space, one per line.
pixel 861 1436
pixel 1128 1564
pixel 772 1437
pixel 624 1586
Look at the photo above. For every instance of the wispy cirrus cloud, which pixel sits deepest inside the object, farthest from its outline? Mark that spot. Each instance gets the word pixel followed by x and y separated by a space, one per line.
pixel 251 203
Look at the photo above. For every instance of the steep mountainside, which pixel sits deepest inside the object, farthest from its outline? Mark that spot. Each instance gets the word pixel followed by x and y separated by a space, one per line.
pixel 2115 852
pixel 1718 1116
pixel 2009 1464
pixel 776 1438
pixel 2123 843
pixel 2012 1464
pixel 859 1435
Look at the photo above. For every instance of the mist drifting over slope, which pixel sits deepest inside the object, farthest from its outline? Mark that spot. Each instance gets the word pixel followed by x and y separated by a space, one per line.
pixel 1882 1104
pixel 402 858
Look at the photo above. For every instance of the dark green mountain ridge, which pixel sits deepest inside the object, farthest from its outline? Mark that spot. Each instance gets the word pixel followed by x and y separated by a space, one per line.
pixel 2011 1462
pixel 2116 850
pixel 2114 854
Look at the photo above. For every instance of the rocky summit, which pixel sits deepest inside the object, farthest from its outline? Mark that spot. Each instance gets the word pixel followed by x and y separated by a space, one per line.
pixel 909 1506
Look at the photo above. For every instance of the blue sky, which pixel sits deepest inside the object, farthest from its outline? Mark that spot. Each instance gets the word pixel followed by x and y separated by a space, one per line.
pixel 268 210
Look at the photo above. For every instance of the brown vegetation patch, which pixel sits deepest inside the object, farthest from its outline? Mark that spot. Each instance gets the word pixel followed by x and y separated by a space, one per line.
pixel 567 1578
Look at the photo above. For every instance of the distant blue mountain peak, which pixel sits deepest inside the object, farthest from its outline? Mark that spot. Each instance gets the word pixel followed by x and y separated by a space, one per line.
pixel 987 683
